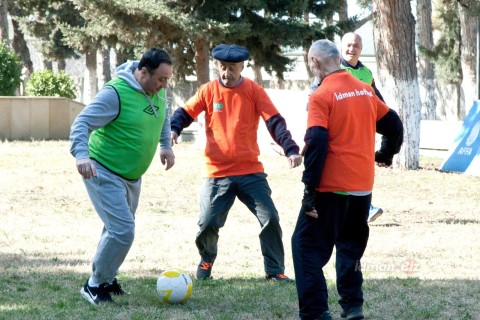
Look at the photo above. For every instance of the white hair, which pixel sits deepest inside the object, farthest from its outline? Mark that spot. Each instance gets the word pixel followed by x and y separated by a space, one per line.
pixel 325 50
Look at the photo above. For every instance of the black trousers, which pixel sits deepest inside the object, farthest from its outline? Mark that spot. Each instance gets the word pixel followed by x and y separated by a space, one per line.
pixel 342 223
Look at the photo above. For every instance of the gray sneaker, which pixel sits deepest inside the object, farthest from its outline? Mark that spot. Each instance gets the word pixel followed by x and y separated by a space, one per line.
pixel 374 213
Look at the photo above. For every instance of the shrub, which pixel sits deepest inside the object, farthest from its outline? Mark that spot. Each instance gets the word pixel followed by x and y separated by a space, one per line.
pixel 49 84
pixel 10 71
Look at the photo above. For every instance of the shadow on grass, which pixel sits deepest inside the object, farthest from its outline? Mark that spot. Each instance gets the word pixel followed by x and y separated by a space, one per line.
pixel 53 293
pixel 38 260
pixel 387 225
pixel 460 221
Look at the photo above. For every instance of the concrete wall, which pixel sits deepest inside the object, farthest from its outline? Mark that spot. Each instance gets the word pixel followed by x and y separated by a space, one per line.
pixel 24 118
pixel 435 135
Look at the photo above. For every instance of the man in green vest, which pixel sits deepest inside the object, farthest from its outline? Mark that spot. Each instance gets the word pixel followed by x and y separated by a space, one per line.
pixel 352 47
pixel 114 140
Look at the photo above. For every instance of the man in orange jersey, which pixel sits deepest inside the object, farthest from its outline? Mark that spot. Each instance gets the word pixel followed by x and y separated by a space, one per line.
pixel 352 47
pixel 233 106
pixel 343 115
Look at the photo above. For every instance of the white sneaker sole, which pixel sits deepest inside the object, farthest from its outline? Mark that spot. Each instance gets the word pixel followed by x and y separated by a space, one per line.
pixel 88 297
pixel 376 215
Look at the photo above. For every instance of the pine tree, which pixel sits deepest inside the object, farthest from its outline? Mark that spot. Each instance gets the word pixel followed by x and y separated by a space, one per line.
pixel 189 29
pixel 44 20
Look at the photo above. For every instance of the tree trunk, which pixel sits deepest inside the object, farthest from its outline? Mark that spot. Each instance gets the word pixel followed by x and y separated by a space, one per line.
pixel 4 22
pixel 343 11
pixel 257 72
pixel 468 49
pixel 19 45
pixel 426 68
pixel 90 89
pixel 104 74
pixel 279 82
pixel 306 48
pixel 61 64
pixel 394 37
pixel 120 57
pixel 47 64
pixel 202 61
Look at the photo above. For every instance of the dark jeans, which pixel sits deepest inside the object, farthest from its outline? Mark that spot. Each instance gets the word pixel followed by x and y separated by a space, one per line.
pixel 341 222
pixel 216 199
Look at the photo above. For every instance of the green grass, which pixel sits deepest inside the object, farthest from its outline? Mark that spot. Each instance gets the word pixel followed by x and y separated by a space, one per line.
pixel 421 263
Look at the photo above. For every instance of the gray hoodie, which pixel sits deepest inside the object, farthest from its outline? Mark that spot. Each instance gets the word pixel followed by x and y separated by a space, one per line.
pixel 105 108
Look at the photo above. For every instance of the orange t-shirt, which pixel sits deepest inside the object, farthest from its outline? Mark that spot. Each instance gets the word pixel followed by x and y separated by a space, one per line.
pixel 232 116
pixel 349 110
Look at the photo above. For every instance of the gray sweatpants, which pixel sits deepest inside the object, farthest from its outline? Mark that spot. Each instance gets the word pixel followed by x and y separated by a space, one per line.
pixel 115 199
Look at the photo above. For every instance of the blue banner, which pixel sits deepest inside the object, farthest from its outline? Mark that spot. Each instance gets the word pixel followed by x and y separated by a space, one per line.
pixel 466 146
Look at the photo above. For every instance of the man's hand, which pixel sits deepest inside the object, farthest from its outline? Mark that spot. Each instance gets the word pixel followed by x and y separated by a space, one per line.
pixel 294 160
pixel 167 157
pixel 382 159
pixel 308 202
pixel 173 138
pixel 86 167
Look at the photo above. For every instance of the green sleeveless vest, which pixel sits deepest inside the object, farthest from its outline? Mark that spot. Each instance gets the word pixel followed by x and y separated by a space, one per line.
pixel 127 145
pixel 363 73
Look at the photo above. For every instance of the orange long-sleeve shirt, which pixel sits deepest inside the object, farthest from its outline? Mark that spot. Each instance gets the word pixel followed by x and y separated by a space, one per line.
pixel 231 123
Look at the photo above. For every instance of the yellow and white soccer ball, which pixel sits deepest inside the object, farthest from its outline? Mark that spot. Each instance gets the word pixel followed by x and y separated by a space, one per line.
pixel 174 286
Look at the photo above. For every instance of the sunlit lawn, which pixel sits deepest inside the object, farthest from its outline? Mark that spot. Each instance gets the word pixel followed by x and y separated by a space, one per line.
pixel 421 263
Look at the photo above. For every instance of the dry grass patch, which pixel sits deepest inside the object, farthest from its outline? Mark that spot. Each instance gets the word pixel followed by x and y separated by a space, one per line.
pixel 421 263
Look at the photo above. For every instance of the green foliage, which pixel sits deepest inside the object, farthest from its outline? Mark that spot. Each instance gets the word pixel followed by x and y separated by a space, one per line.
pixel 265 27
pixel 10 71
pixel 446 53
pixel 46 25
pixel 364 3
pixel 49 84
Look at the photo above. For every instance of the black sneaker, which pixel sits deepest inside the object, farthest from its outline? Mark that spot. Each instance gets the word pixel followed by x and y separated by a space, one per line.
pixel 278 278
pixel 204 270
pixel 96 295
pixel 355 313
pixel 326 315
pixel 116 288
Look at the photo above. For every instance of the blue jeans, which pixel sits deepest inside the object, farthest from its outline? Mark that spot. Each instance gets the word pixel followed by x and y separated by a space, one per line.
pixel 341 222
pixel 216 199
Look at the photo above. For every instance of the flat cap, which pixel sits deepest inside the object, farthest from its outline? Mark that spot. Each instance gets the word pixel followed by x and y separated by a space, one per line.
pixel 230 53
